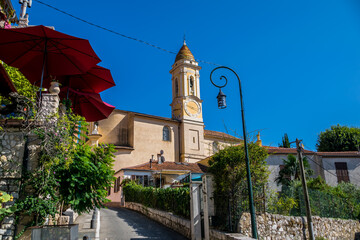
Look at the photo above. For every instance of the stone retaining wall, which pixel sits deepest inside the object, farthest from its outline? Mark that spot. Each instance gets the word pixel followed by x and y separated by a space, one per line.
pixel 15 153
pixel 179 224
pixel 12 145
pixel 273 226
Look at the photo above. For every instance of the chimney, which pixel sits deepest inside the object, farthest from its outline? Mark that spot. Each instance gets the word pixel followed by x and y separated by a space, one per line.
pixel 151 160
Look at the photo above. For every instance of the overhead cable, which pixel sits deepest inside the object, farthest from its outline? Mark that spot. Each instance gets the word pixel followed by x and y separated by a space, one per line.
pixel 117 33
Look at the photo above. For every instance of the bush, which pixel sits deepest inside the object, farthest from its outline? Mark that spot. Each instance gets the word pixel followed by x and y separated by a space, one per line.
pixel 341 201
pixel 175 200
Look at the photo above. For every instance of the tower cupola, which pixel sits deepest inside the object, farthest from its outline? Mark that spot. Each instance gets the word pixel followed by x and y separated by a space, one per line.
pixel 184 53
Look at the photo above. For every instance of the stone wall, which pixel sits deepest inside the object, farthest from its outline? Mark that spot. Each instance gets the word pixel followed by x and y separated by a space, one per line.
pixel 179 224
pixel 15 152
pixel 273 226
pixel 12 145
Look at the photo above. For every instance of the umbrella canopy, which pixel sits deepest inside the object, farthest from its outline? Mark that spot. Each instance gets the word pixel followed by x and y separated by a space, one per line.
pixel 6 85
pixel 96 80
pixel 88 105
pixel 40 51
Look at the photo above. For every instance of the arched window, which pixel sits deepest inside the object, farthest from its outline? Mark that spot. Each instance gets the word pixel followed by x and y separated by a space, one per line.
pixel 191 84
pixel 166 133
pixel 176 88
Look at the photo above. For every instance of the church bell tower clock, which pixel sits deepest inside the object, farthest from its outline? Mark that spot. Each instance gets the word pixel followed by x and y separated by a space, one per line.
pixel 186 105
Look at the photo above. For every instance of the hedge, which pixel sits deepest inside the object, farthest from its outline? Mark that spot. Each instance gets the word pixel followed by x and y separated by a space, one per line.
pixel 175 200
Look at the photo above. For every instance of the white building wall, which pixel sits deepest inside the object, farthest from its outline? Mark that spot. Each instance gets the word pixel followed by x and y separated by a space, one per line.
pixel 274 161
pixel 353 165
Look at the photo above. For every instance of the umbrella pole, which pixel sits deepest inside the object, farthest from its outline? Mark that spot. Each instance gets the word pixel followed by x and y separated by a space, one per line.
pixel 43 68
pixel 68 89
pixel 67 94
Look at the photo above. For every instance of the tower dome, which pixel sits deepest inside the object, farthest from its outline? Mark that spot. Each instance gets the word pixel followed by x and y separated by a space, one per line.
pixel 184 53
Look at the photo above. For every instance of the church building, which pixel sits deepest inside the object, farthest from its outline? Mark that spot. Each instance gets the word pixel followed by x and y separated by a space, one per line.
pixel 181 139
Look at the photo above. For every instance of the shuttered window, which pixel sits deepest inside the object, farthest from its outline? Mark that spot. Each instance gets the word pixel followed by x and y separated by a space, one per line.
pixel 342 172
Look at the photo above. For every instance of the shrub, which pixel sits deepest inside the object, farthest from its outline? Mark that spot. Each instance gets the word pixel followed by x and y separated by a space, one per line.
pixel 341 201
pixel 175 200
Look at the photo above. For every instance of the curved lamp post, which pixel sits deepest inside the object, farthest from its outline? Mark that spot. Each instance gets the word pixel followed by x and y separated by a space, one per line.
pixel 222 104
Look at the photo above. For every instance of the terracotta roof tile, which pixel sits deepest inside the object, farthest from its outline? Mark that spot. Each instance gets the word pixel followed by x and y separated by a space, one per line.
pixel 193 167
pixel 220 135
pixel 184 53
pixel 339 154
pixel 280 150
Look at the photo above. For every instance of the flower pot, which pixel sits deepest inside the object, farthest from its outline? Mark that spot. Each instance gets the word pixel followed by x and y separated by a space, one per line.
pixel 54 87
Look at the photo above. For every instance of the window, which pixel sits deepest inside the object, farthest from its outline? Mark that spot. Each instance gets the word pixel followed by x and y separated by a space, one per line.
pixel 166 133
pixel 191 84
pixel 146 181
pixel 117 185
pixel 342 172
pixel 122 136
pixel 176 88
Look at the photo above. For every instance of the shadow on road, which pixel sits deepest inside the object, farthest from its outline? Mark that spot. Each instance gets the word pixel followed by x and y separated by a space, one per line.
pixel 143 227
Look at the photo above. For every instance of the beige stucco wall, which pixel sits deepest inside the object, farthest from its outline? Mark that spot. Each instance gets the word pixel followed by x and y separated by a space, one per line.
pixel 209 149
pixel 147 135
pixel 144 138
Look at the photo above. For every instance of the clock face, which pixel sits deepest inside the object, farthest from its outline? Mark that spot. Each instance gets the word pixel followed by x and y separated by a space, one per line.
pixel 192 108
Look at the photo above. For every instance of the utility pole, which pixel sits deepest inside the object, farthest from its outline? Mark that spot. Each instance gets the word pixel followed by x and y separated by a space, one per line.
pixel 306 194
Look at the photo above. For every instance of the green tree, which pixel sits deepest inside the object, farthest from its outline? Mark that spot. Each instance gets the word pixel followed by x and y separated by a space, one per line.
pixel 68 174
pixel 285 141
pixel 291 170
pixel 84 183
pixel 339 138
pixel 231 191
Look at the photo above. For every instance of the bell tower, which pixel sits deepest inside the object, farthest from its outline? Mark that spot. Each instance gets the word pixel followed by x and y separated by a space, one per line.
pixel 186 102
pixel 186 105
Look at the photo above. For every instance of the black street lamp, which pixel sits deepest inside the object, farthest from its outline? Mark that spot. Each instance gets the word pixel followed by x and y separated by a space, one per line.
pixel 222 104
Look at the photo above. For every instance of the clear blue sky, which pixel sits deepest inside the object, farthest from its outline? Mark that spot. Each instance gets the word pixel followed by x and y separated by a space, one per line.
pixel 299 61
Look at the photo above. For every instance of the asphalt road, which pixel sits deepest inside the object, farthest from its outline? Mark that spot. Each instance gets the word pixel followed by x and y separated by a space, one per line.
pixel 124 224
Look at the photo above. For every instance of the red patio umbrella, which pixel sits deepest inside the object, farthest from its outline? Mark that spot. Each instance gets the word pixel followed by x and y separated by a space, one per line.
pixel 96 80
pixel 6 85
pixel 88 105
pixel 40 51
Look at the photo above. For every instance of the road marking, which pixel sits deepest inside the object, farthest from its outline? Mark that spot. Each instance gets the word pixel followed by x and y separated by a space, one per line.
pixel 97 232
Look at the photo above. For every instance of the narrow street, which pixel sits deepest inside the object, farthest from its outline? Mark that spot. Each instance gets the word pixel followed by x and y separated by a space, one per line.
pixel 124 224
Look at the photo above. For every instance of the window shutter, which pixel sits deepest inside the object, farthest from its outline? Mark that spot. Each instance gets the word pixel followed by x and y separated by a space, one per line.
pixel 342 172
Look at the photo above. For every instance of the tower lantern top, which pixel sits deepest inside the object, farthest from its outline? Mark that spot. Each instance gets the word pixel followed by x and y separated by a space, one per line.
pixel 184 53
